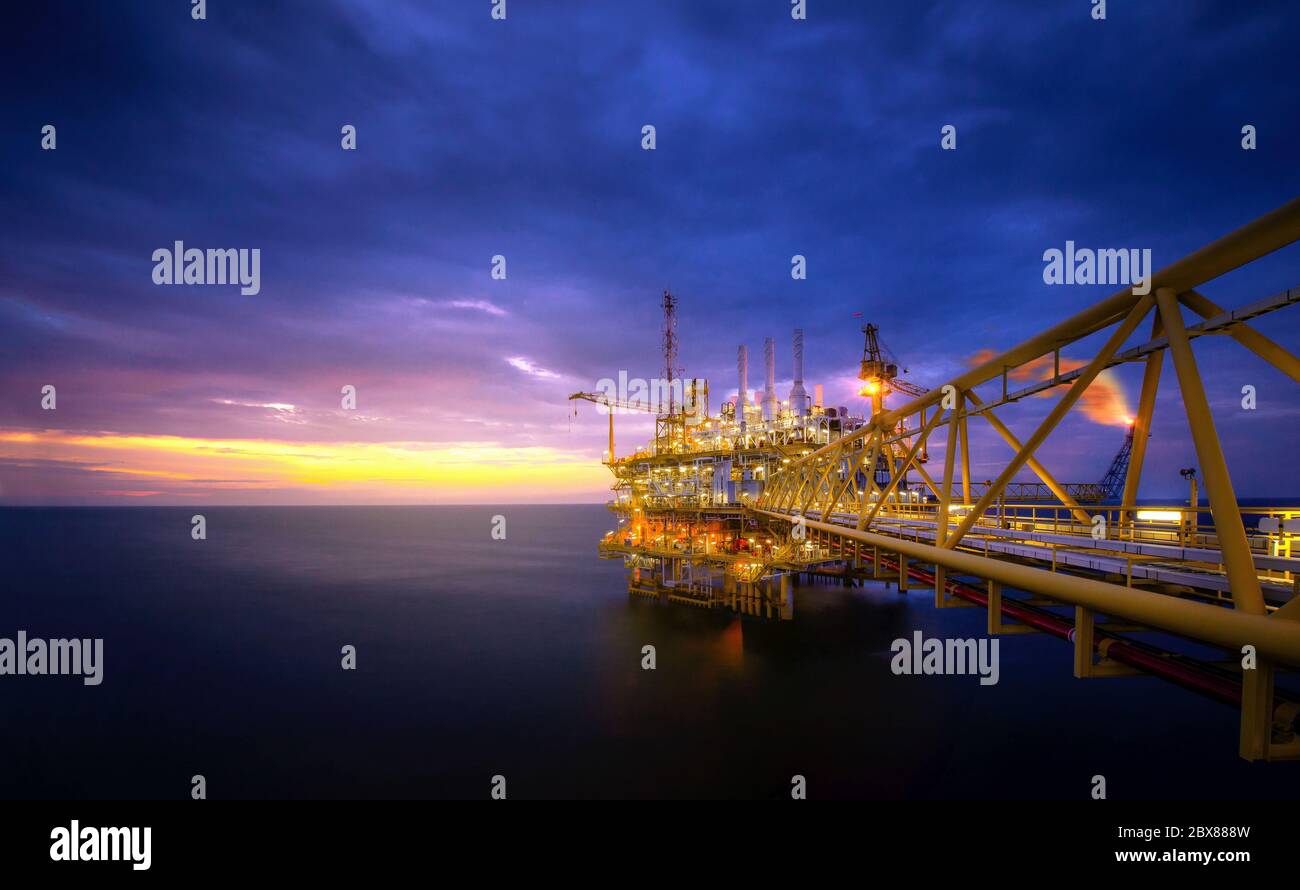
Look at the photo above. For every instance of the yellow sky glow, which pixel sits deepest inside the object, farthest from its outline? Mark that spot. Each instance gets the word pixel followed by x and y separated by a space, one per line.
pixel 428 471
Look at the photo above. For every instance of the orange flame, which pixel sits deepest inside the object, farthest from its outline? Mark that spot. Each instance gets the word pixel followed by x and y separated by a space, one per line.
pixel 1103 402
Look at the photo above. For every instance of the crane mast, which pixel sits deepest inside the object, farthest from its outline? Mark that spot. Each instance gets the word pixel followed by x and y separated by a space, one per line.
pixel 599 398
pixel 670 353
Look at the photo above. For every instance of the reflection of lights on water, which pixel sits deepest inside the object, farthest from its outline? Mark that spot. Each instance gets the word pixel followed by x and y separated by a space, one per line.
pixel 731 643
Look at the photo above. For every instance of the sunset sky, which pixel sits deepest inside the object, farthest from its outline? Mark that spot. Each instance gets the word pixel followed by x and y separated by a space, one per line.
pixel 523 138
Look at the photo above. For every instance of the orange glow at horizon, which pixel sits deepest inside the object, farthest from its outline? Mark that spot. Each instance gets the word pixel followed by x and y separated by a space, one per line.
pixel 349 470
pixel 1104 401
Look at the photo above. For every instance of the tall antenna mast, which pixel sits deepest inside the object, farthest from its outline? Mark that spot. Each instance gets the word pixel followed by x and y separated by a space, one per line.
pixel 670 344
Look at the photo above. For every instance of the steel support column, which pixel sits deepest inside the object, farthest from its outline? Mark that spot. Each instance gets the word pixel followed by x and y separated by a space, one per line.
pixel 1142 424
pixel 1237 561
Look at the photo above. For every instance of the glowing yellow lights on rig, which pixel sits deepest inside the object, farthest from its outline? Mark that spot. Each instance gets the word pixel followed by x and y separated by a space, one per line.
pixel 1159 515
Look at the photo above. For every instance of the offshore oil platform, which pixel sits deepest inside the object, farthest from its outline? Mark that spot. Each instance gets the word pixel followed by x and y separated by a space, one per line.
pixel 686 531
pixel 727 510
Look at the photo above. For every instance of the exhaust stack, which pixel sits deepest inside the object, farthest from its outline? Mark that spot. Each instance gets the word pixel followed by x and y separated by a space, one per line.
pixel 771 406
pixel 798 395
pixel 742 388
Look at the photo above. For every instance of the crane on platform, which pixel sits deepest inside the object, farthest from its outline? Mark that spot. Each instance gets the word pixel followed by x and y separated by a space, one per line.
pixel 673 416
pixel 610 403
pixel 879 371
pixel 879 376
pixel 1112 484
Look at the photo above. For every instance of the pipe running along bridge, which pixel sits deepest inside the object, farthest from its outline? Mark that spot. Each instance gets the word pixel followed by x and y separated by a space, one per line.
pixel 1222 576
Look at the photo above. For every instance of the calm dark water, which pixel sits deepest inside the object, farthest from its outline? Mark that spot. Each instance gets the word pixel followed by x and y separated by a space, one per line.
pixel 522 658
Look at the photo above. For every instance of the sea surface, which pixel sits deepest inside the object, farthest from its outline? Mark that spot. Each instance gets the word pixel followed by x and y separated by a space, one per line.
pixel 522 658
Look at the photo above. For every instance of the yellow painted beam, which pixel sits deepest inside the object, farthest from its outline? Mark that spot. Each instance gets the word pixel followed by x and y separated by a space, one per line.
pixel 1237 561
pixel 965 459
pixel 896 476
pixel 848 480
pixel 1262 346
pixel 949 462
pixel 1228 628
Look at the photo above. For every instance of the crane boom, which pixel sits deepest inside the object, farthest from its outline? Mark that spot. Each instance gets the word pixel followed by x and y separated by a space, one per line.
pixel 600 398
pixel 908 387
